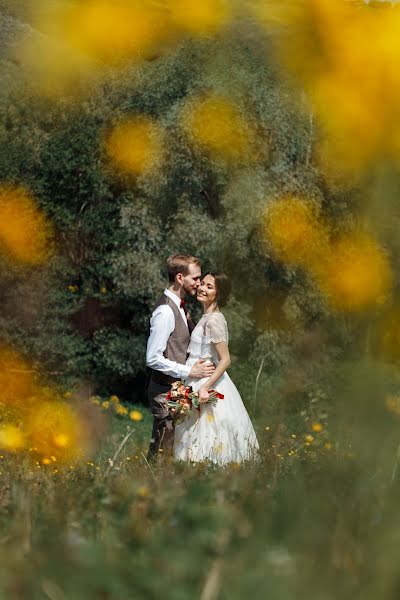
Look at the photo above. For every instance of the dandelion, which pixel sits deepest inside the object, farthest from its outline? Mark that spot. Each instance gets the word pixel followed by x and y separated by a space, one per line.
pixel 136 415
pixel 114 399
pixel 121 410
pixel 309 438
pixel 105 404
pixel 316 427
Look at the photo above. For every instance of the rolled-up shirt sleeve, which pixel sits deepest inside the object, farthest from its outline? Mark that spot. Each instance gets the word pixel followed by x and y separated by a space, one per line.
pixel 162 324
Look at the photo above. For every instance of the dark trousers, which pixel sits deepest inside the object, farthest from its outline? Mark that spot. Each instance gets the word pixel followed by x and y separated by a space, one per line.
pixel 162 437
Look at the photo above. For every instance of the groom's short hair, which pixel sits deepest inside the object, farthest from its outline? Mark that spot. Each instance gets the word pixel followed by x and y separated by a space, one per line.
pixel 179 263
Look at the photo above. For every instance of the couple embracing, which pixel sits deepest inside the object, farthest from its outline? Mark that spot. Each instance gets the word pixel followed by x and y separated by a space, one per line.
pixel 199 356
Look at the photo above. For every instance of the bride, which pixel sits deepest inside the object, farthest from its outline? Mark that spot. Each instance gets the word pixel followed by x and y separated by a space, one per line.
pixel 222 433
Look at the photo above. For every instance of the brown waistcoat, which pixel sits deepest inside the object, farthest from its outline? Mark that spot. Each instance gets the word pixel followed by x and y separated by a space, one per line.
pixel 177 344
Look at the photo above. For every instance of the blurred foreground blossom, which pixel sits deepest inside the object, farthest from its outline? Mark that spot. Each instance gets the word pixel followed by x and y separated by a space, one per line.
pixel 11 438
pixel 200 17
pixel 295 232
pixel 354 85
pixel 54 429
pixel 356 273
pixel 216 126
pixel 135 145
pixel 108 31
pixel 25 233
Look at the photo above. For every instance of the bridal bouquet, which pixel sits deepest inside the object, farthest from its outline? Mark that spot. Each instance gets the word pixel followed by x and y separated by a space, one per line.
pixel 182 399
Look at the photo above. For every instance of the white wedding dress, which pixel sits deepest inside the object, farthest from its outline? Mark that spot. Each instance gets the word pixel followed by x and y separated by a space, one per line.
pixel 222 433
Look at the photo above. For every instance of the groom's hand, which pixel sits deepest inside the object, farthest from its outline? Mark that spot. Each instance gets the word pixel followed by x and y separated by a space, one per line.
pixel 202 369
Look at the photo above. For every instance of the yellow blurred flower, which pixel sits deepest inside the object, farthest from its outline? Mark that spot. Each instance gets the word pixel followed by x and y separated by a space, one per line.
pixel 215 124
pixel 327 44
pixel 25 233
pixel 316 427
pixel 111 31
pixel 121 410
pixel 114 399
pixel 143 491
pixel 293 229
pixel 356 273
pixel 46 461
pixel 11 438
pixel 328 446
pixel 17 379
pixel 136 415
pixel 135 145
pixel 200 17
pixel 54 429
pixel 309 438
pixel 392 403
pixel 105 404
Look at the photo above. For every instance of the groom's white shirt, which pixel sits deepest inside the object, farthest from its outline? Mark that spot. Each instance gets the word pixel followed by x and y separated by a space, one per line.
pixel 162 324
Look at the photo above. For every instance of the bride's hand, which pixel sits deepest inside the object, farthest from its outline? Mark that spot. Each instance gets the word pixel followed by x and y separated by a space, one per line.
pixel 203 395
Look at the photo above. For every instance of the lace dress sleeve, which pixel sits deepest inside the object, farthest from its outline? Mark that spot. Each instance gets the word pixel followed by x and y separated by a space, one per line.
pixel 216 329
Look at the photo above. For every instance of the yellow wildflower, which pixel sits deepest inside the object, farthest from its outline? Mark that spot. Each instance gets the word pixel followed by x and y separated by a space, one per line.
pixel 309 438
pixel 121 410
pixel 136 415
pixel 46 461
pixel 316 427
pixel 105 404
pixel 114 399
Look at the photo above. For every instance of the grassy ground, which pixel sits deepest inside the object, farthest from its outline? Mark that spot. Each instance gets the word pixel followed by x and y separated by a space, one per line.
pixel 305 521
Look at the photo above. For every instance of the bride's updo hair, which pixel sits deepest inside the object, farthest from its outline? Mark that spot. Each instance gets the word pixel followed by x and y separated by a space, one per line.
pixel 223 287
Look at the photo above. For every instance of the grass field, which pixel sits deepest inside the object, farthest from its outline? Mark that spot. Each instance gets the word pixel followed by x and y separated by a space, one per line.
pixel 304 521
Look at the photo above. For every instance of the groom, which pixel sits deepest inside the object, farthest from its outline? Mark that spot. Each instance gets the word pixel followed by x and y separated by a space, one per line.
pixel 170 329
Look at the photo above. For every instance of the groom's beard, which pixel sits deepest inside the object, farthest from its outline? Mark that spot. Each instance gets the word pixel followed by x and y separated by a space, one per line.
pixel 190 291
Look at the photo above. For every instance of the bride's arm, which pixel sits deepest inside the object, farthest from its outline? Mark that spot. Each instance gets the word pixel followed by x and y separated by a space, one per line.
pixel 223 365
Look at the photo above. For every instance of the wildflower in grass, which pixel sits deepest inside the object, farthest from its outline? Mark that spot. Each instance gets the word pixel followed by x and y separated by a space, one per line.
pixel 105 404
pixel 121 410
pixel 136 415
pixel 114 399
pixel 392 403
pixel 143 491
pixel 328 446
pixel 46 461
pixel 309 438
pixel 316 427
